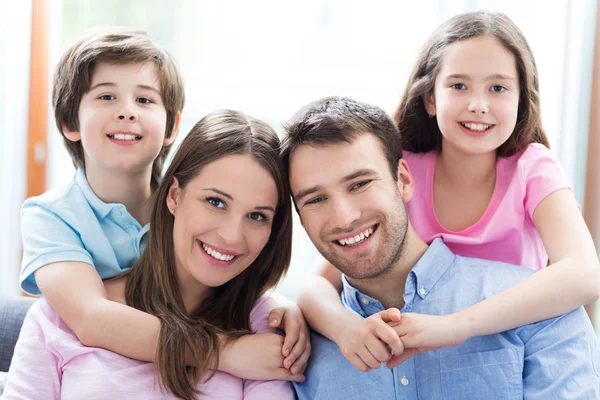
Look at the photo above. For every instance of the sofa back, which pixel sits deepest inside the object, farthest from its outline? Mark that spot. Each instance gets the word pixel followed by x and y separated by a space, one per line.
pixel 12 313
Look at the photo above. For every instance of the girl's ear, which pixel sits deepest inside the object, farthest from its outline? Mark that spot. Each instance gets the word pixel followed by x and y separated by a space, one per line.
pixel 73 136
pixel 173 195
pixel 406 183
pixel 169 140
pixel 429 101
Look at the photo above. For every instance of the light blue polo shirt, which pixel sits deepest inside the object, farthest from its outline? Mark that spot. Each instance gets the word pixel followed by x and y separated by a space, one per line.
pixel 73 224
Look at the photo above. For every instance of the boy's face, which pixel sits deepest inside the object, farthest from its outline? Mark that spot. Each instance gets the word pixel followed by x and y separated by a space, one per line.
pixel 122 118
pixel 350 205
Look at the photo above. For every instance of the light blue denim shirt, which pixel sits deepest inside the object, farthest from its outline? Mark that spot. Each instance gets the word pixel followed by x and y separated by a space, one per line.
pixel 554 359
pixel 73 224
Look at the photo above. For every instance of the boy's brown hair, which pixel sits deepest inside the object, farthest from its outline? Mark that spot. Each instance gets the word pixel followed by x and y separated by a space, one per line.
pixel 73 76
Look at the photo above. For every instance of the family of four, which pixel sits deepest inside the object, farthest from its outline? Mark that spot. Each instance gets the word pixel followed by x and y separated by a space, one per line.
pixel 455 260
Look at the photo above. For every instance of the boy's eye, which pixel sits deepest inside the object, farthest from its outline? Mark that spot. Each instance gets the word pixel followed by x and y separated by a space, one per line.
pixel 315 200
pixel 256 216
pixel 458 86
pixel 144 100
pixel 107 97
pixel 215 202
pixel 498 88
pixel 360 185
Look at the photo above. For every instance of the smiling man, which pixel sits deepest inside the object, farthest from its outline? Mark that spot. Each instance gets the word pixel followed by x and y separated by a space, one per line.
pixel 350 185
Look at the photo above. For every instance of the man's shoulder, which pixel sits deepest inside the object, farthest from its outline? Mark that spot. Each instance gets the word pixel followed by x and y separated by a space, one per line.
pixel 494 274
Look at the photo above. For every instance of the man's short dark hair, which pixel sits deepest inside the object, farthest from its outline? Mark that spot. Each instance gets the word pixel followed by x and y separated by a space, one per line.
pixel 339 119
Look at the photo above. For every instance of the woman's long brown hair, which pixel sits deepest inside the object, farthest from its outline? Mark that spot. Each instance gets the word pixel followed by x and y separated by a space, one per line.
pixel 152 284
pixel 420 133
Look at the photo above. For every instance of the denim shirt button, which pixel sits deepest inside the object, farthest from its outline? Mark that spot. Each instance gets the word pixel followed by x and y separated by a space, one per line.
pixel 404 381
pixel 364 300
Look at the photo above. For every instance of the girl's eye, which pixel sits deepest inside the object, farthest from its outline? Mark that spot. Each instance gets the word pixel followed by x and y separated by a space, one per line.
pixel 360 185
pixel 459 86
pixel 498 88
pixel 315 200
pixel 256 216
pixel 107 97
pixel 215 202
pixel 144 100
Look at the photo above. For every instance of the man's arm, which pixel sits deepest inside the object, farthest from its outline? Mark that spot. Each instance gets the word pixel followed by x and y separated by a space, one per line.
pixel 562 357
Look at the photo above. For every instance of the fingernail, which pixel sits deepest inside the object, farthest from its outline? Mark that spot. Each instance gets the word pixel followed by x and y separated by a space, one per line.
pixel 286 352
pixel 302 378
pixel 294 370
pixel 273 321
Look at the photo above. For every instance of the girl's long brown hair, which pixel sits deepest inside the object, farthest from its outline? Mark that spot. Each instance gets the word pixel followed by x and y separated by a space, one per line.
pixel 420 133
pixel 152 283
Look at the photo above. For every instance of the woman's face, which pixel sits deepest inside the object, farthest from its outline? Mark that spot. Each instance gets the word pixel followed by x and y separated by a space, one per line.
pixel 222 221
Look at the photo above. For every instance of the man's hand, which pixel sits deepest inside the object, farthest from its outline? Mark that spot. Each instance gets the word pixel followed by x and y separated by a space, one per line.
pixel 422 332
pixel 370 342
pixel 296 346
pixel 257 357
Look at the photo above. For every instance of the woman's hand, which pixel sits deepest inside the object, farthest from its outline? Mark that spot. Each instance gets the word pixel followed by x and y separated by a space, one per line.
pixel 296 346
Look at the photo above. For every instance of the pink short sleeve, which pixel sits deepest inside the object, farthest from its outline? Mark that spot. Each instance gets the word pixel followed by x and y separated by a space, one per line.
pixel 542 174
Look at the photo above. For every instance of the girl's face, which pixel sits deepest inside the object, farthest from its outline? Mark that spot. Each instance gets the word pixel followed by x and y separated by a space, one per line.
pixel 476 96
pixel 223 220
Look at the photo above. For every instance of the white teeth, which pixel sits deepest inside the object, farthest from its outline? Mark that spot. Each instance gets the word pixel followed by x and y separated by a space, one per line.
pixel 124 136
pixel 476 127
pixel 356 239
pixel 216 254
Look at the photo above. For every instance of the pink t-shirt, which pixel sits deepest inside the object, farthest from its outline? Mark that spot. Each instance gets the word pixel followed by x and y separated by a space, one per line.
pixel 506 231
pixel 51 363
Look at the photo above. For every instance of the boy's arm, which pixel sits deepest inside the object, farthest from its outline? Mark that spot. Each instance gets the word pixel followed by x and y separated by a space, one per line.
pixel 364 342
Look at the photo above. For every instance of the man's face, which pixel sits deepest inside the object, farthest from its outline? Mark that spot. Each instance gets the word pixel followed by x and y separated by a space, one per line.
pixel 350 204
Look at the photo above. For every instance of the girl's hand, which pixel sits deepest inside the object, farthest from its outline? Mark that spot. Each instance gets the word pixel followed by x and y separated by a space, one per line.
pixel 369 343
pixel 256 357
pixel 296 346
pixel 422 332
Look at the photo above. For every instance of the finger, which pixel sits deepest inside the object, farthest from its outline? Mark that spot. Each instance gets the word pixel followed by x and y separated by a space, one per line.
pixel 302 361
pixel 276 316
pixel 292 332
pixel 297 350
pixel 378 349
pixel 358 363
pixel 283 374
pixel 389 336
pixel 369 358
pixel 390 315
pixel 399 359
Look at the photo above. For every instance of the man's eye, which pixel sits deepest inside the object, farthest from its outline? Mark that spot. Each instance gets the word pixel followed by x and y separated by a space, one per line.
pixel 315 200
pixel 360 185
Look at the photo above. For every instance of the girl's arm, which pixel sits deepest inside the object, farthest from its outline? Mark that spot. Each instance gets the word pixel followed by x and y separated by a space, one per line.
pixel 364 342
pixel 570 281
pixel 77 293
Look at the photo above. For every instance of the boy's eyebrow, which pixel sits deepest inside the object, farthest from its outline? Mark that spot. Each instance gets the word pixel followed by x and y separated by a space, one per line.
pixel 356 174
pixel 230 197
pixel 112 84
pixel 492 77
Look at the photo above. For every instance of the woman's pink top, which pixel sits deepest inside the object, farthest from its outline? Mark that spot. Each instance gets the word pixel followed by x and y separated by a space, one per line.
pixel 51 363
pixel 506 231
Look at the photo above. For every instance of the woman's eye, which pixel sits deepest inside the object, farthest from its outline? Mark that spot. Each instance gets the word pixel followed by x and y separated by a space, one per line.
pixel 498 88
pixel 256 216
pixel 107 97
pixel 458 86
pixel 144 100
pixel 215 202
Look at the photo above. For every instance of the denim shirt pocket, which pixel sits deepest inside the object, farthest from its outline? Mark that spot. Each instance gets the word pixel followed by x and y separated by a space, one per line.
pixel 495 374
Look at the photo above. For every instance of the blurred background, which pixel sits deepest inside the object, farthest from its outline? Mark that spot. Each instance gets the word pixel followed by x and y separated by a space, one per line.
pixel 269 58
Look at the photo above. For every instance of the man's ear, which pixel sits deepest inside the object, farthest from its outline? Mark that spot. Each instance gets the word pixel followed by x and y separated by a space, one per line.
pixel 73 136
pixel 406 183
pixel 173 195
pixel 169 140
pixel 429 101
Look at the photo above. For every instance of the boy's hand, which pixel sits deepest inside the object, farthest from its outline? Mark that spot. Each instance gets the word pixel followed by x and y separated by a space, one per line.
pixel 422 332
pixel 369 343
pixel 296 346
pixel 256 357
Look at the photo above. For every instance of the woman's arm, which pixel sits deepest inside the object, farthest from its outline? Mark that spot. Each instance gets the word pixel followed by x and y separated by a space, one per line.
pixel 364 342
pixel 570 281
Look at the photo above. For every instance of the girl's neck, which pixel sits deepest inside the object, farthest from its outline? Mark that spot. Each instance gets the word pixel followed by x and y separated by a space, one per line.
pixel 460 170
pixel 130 188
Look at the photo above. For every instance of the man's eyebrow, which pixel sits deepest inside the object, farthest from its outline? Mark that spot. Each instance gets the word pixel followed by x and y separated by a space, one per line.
pixel 230 197
pixel 112 84
pixel 356 174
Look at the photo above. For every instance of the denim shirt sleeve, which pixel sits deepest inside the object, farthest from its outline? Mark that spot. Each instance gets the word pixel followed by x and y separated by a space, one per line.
pixel 561 358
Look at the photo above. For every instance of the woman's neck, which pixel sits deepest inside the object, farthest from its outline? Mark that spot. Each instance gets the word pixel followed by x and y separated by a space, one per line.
pixel 132 189
pixel 460 170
